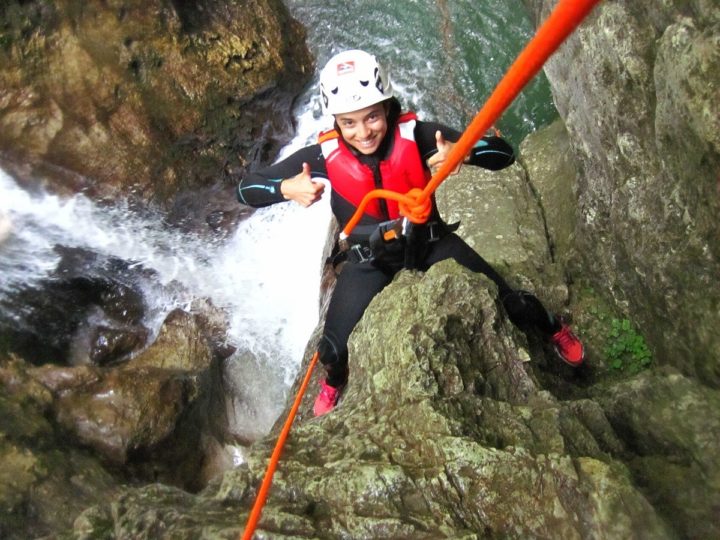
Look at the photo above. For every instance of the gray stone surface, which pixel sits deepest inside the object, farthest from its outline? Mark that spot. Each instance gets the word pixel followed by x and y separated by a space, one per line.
pixel 638 87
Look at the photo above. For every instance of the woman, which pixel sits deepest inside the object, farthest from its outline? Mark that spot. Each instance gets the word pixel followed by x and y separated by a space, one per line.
pixel 374 145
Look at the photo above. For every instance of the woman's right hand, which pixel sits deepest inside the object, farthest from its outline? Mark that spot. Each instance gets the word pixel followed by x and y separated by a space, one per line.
pixel 301 189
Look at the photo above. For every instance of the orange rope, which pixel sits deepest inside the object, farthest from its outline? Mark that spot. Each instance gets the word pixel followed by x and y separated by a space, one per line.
pixel 415 205
pixel 566 16
pixel 254 516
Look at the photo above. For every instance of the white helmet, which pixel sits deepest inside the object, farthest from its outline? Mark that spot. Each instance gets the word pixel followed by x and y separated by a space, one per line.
pixel 353 80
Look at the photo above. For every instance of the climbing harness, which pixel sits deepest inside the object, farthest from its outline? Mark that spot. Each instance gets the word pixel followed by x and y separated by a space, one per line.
pixel 393 244
pixel 416 204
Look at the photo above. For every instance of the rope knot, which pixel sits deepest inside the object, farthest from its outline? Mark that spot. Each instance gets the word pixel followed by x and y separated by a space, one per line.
pixel 415 206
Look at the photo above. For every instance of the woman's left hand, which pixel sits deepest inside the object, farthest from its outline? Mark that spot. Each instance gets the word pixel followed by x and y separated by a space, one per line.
pixel 444 147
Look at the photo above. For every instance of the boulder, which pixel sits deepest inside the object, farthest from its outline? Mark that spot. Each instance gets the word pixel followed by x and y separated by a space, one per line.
pixel 181 344
pixel 44 481
pixel 158 416
pixel 88 311
pixel 145 99
pixel 120 411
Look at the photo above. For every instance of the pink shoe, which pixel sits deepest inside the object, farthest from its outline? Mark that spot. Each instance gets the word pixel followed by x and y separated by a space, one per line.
pixel 568 346
pixel 327 399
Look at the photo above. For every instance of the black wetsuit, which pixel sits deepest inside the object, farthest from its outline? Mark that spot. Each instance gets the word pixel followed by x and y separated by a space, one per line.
pixel 359 282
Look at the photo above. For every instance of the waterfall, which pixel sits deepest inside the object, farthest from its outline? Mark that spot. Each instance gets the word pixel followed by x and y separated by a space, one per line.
pixel 265 276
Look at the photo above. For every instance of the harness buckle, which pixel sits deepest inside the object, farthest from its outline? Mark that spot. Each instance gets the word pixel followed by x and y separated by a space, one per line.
pixel 359 253
pixel 433 231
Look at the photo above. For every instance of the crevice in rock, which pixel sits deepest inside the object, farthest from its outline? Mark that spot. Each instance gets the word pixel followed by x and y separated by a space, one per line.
pixel 456 493
pixel 193 16
pixel 536 195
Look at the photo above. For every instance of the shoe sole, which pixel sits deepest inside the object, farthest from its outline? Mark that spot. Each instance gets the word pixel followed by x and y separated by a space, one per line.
pixel 568 362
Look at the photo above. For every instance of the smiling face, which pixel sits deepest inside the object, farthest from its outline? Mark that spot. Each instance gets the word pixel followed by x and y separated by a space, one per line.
pixel 365 129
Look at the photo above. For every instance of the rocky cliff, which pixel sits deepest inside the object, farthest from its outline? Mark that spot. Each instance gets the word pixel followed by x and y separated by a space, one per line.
pixel 155 103
pixel 639 90
pixel 457 425
pixel 148 97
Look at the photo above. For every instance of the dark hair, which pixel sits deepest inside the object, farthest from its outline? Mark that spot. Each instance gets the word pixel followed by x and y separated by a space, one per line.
pixel 392 110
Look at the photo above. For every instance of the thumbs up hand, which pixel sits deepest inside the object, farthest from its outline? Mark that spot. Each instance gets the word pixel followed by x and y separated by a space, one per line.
pixel 444 147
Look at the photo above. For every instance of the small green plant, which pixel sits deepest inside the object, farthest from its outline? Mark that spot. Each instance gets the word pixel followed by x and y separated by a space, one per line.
pixel 626 349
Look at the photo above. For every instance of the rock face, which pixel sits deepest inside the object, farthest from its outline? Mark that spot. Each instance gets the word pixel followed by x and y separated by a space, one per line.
pixel 444 432
pixel 149 98
pixel 156 417
pixel 144 102
pixel 456 425
pixel 40 473
pixel 638 87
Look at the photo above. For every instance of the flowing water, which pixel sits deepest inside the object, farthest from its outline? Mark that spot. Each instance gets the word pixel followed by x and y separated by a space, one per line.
pixel 445 58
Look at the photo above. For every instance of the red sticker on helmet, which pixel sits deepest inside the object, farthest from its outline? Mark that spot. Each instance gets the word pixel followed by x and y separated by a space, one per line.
pixel 343 68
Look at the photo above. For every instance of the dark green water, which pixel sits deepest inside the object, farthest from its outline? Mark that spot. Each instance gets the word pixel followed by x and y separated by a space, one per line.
pixel 445 56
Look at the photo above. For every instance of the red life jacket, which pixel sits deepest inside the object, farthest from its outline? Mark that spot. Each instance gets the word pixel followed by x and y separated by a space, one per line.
pixel 401 171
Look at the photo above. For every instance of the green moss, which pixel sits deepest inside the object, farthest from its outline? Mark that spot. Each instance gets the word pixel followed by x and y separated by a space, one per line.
pixel 626 349
pixel 616 348
pixel 5 41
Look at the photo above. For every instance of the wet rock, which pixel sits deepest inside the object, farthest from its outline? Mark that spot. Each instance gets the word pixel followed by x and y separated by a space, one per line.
pixel 158 416
pixel 102 345
pixel 125 409
pixel 156 98
pixel 44 481
pixel 213 209
pixel 139 522
pixel 61 318
pixel 104 281
pixel 60 379
pixel 443 431
pixel 181 345
pixel 188 349
pixel 214 324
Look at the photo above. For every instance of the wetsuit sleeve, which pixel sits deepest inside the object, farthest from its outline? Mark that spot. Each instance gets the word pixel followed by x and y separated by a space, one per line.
pixel 262 187
pixel 492 152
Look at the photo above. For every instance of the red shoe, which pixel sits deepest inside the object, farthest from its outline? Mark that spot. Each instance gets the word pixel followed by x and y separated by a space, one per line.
pixel 327 399
pixel 568 346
